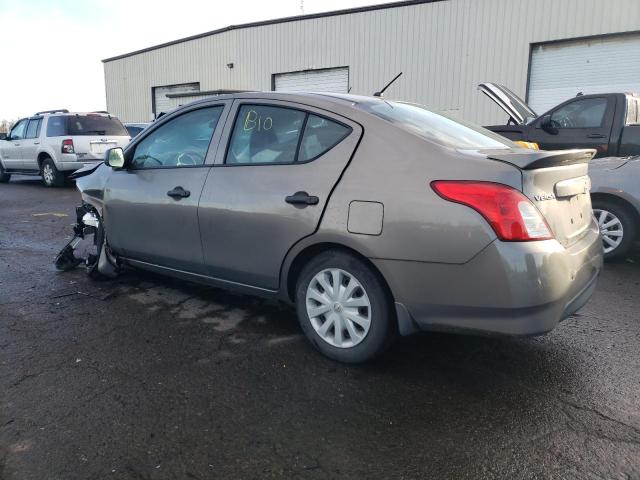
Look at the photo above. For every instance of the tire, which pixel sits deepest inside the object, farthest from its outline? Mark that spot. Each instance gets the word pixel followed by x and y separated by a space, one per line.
pixel 4 176
pixel 359 341
pixel 621 225
pixel 51 176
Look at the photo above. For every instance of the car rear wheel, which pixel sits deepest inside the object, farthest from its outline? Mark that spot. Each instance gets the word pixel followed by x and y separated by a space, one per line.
pixel 344 307
pixel 51 176
pixel 616 227
pixel 4 176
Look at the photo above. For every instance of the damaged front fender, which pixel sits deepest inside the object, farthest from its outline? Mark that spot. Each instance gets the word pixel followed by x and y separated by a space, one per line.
pixel 99 261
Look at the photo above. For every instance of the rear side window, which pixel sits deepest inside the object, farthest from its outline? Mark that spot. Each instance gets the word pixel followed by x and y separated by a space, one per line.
pixel 56 126
pixel 33 129
pixel 265 134
pixel 587 113
pixel 320 135
pixel 436 127
pixel 94 125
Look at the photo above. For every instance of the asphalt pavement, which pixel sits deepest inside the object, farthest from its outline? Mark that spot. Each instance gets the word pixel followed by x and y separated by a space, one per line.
pixel 146 377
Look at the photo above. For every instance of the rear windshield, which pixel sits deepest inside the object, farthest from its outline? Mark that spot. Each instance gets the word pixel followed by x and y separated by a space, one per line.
pixel 437 127
pixel 94 125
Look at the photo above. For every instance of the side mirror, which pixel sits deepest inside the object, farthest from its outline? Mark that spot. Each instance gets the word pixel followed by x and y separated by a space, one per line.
pixel 547 125
pixel 114 158
pixel 4 136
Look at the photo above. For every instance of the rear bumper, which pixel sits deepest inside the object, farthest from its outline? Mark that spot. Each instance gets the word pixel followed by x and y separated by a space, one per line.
pixel 508 288
pixel 75 165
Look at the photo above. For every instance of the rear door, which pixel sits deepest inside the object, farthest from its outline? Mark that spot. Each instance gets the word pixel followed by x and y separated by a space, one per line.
pixel 12 148
pixel 31 144
pixel 578 123
pixel 269 187
pixel 151 207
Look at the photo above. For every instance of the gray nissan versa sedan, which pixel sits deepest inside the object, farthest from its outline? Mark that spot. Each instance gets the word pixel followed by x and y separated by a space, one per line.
pixel 374 217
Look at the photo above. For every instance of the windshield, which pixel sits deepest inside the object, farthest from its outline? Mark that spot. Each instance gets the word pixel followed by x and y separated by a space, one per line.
pixel 437 127
pixel 94 125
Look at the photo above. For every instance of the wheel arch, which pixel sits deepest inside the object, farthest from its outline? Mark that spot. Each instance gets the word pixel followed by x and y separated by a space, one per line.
pixel 296 261
pixel 42 156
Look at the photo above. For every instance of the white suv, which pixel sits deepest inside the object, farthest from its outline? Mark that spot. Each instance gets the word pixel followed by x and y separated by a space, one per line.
pixel 55 143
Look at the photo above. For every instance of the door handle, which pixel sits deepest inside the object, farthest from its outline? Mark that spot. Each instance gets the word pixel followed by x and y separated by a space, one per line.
pixel 302 198
pixel 595 135
pixel 36 143
pixel 16 144
pixel 178 193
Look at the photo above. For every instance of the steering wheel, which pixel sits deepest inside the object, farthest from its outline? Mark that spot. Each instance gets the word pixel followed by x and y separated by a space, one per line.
pixel 190 158
pixel 565 122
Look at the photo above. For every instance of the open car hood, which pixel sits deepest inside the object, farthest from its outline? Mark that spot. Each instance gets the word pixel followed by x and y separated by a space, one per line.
pixel 519 112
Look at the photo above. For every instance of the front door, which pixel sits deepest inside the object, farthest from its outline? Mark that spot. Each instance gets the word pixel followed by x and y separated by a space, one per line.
pixel 151 206
pixel 578 123
pixel 30 145
pixel 270 187
pixel 11 148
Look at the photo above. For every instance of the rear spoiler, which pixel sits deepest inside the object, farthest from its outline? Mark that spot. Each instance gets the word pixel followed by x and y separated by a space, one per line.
pixel 532 159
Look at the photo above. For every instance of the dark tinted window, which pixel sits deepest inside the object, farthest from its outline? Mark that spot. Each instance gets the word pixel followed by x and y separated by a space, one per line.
pixel 56 126
pixel 587 113
pixel 265 134
pixel 436 127
pixel 133 131
pixel 181 142
pixel 17 132
pixel 33 130
pixel 320 134
pixel 94 125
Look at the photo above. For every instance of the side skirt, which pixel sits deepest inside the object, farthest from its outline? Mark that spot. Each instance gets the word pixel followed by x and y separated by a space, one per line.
pixel 202 279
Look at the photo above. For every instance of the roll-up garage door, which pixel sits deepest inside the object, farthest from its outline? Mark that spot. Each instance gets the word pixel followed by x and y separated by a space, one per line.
pixel 163 104
pixel 334 80
pixel 603 65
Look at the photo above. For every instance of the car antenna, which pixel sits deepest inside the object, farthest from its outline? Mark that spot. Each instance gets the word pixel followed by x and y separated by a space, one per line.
pixel 379 94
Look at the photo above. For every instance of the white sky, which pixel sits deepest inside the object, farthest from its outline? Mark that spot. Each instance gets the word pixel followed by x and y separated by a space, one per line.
pixel 51 50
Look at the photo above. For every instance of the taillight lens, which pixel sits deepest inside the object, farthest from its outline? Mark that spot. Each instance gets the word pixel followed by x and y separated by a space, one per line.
pixel 67 146
pixel 511 215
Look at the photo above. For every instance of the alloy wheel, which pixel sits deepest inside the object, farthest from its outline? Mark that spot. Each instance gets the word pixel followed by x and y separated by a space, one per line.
pixel 47 174
pixel 610 228
pixel 338 307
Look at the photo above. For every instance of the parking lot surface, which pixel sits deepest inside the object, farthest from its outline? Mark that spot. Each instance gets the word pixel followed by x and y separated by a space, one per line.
pixel 146 377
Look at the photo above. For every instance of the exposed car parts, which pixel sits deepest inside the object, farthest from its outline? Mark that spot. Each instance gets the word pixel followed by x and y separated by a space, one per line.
pixel 100 261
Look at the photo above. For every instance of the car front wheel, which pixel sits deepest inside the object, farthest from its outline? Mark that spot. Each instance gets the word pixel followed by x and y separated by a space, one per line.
pixel 51 176
pixel 616 227
pixel 344 307
pixel 4 176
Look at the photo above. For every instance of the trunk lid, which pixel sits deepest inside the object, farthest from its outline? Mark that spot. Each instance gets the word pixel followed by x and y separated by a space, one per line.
pixel 519 112
pixel 558 184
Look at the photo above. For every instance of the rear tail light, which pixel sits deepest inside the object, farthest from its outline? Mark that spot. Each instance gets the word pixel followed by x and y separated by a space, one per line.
pixel 67 146
pixel 511 215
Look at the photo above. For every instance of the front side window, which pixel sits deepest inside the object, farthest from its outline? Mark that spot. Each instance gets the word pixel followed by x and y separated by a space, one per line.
pixel 33 130
pixel 587 113
pixel 265 134
pixel 17 132
pixel 436 127
pixel 181 142
pixel 56 126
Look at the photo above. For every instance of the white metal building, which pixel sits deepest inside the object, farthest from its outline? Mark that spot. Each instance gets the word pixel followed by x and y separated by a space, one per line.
pixel 544 50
